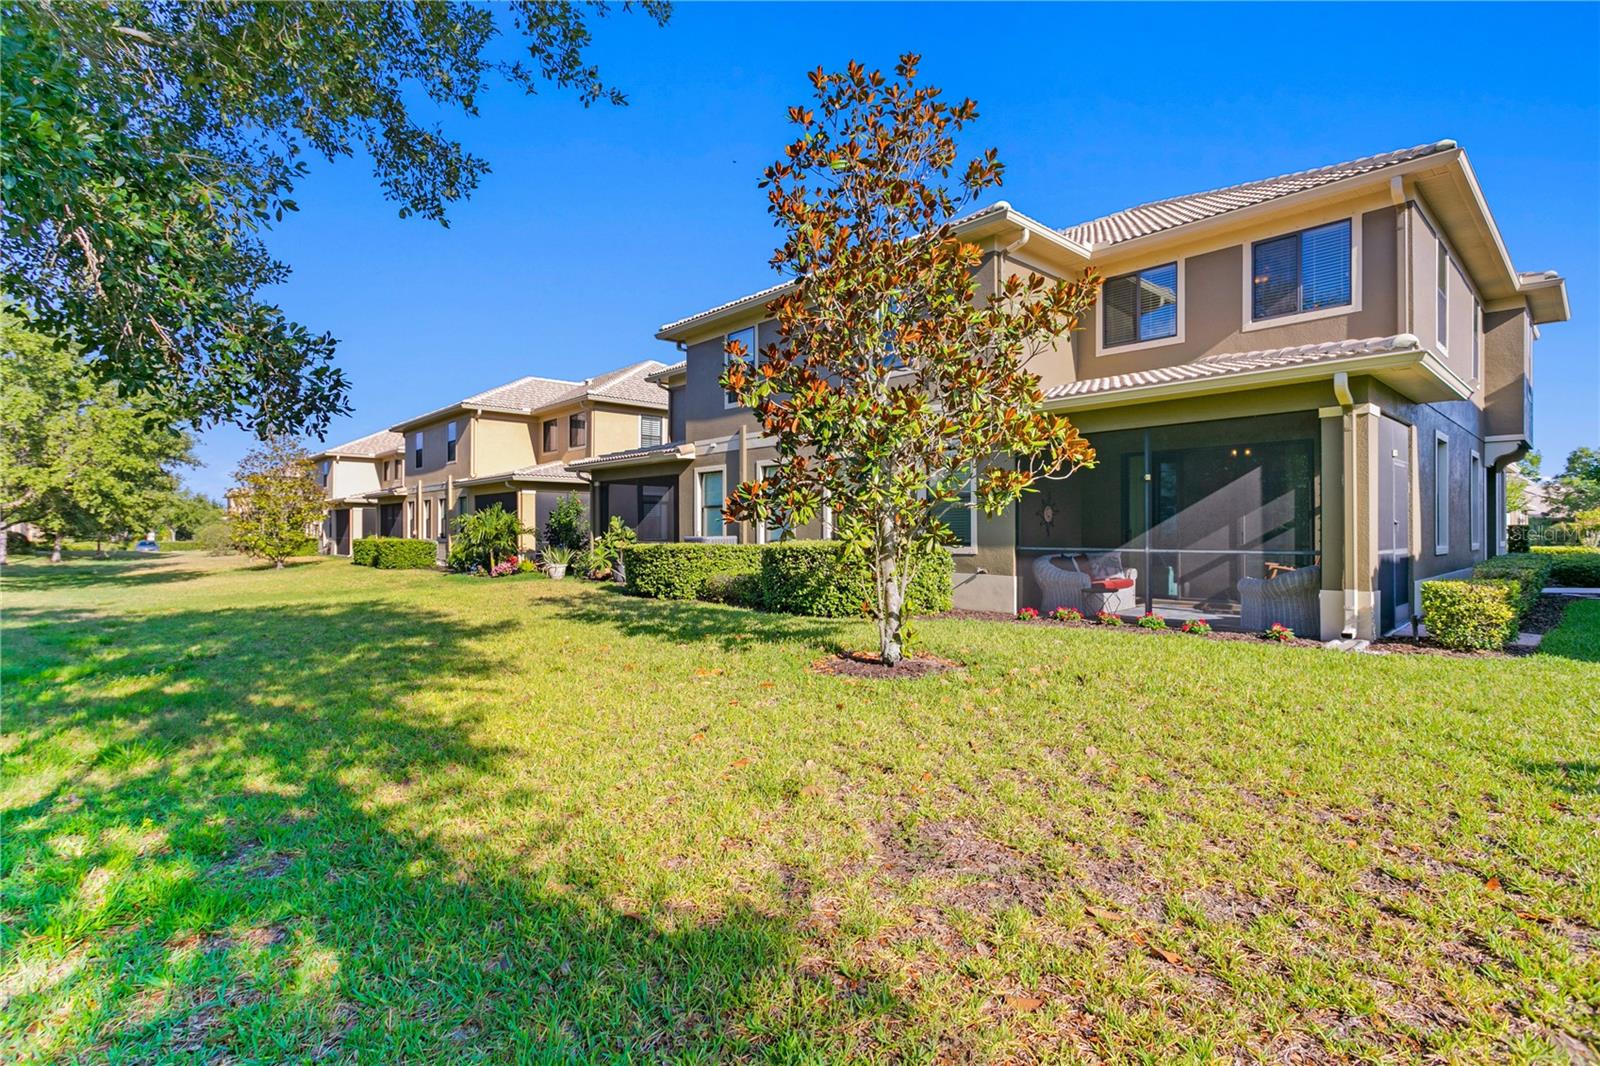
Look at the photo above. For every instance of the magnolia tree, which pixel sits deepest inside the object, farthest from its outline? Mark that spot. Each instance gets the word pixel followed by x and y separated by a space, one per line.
pixel 894 389
pixel 277 502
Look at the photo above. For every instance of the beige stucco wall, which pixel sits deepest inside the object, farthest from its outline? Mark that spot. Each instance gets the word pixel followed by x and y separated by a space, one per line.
pixel 434 467
pixel 500 443
pixel 1507 367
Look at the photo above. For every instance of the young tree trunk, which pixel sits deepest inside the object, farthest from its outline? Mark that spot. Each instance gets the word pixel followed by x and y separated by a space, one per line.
pixel 891 597
pixel 55 547
pixel 5 556
pixel 277 564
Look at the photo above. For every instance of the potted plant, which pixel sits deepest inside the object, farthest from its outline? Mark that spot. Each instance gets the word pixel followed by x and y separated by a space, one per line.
pixel 556 559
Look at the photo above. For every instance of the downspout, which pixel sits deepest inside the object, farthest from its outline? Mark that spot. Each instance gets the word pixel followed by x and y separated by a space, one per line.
pixel 1007 250
pixel 1342 393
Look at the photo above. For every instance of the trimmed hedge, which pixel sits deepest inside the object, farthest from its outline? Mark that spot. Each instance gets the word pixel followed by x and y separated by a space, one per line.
pixel 797 577
pixel 680 571
pixel 394 553
pixel 1573 568
pixel 364 551
pixel 1486 610
pixel 1469 615
pixel 813 578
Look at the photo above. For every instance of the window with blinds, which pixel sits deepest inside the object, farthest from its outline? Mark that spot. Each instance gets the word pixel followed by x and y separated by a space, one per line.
pixel 958 514
pixel 1300 272
pixel 1141 306
pixel 649 431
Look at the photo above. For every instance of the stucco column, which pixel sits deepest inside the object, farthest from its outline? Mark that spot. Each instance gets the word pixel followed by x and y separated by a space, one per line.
pixel 1361 522
pixel 1330 599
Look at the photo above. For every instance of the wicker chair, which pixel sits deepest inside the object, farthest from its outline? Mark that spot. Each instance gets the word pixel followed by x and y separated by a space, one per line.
pixel 1063 585
pixel 1289 599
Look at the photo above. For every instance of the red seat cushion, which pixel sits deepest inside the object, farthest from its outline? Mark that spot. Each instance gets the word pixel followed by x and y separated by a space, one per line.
pixel 1111 584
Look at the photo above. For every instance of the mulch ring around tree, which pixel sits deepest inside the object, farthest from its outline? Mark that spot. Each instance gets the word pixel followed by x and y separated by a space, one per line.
pixel 864 664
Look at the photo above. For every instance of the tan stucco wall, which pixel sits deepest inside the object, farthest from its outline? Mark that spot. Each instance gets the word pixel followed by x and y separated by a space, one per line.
pixel 434 467
pixel 613 430
pixel 1508 364
pixel 500 443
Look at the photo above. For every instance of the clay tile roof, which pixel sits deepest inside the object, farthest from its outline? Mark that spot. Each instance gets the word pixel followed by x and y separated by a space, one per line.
pixel 630 384
pixel 373 444
pixel 1222 365
pixel 1162 215
pixel 522 394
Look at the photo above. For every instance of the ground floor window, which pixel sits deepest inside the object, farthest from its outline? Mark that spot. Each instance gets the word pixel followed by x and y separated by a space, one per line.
pixel 506 501
pixel 1180 516
pixel 960 514
pixel 711 499
pixel 772 533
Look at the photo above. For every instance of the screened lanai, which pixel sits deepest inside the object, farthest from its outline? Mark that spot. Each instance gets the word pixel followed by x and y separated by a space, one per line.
pixel 1179 516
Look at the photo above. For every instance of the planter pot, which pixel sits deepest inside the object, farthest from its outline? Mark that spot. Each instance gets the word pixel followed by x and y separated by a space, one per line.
pixel 556 571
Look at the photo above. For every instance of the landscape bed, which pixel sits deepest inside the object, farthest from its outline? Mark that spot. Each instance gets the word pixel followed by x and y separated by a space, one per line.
pixel 332 813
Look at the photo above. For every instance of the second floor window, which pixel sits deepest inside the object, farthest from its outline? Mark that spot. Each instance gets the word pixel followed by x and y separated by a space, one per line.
pixel 550 425
pixel 577 431
pixel 1300 272
pixel 450 443
pixel 649 431
pixel 1141 306
pixel 416 450
pixel 746 337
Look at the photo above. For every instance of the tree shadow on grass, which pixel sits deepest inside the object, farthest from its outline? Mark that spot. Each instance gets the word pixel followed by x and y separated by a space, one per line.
pixel 85 571
pixel 693 622
pixel 256 866
pixel 1577 777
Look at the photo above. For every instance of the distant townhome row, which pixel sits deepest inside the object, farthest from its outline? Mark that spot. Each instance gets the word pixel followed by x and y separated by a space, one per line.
pixel 1304 392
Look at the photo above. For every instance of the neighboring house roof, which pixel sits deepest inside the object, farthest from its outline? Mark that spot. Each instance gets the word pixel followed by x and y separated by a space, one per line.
pixel 1178 211
pixel 540 472
pixel 1400 357
pixel 656 453
pixel 681 366
pixel 527 395
pixel 383 442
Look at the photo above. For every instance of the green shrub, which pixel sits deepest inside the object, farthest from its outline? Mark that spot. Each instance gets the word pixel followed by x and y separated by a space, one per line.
pixel 364 551
pixel 215 538
pixel 1471 614
pixel 812 577
pixel 568 524
pixel 737 590
pixel 402 553
pixel 1572 567
pixel 1528 573
pixel 180 545
pixel 1486 610
pixel 680 571
pixel 1517 538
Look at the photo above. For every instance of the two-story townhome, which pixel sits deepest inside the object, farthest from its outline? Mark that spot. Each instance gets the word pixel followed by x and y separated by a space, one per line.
pixel 509 445
pixel 348 473
pixel 1303 393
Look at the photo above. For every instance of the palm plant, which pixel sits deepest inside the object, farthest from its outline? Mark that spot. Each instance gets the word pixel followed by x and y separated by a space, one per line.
pixel 484 538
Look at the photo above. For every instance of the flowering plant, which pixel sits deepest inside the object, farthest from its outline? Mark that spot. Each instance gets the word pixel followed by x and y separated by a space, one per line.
pixel 1151 620
pixel 1198 626
pixel 1106 618
pixel 1028 614
pixel 1067 614
pixel 505 566
pixel 1279 632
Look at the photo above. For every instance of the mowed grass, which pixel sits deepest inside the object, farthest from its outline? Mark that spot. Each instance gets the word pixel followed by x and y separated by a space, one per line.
pixel 336 814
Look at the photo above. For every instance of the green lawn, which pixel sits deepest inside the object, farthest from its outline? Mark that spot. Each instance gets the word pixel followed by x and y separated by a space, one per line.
pixel 338 814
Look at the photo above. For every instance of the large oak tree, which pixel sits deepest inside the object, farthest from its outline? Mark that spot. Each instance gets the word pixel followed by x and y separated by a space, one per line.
pixel 149 144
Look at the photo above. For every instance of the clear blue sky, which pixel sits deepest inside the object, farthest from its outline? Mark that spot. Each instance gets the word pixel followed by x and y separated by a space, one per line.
pixel 598 225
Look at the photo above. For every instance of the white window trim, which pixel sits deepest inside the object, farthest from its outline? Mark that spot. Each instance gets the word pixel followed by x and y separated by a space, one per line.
pixel 699 500
pixel 1441 495
pixel 755 340
pixel 1247 276
pixel 1476 499
pixel 1441 251
pixel 659 419
pixel 972 521
pixel 1099 330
